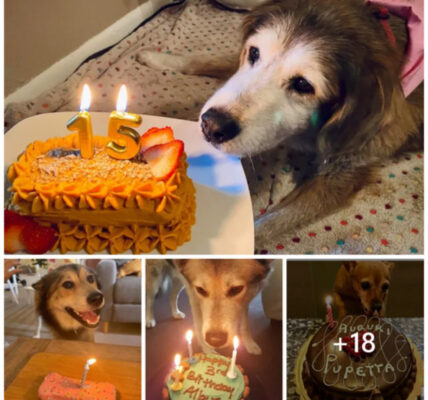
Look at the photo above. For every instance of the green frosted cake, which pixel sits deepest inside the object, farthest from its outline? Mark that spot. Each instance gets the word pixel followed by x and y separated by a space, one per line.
pixel 206 379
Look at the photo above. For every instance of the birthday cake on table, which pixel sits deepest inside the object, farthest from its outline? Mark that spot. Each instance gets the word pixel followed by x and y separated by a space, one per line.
pixel 101 202
pixel 57 387
pixel 360 357
pixel 206 378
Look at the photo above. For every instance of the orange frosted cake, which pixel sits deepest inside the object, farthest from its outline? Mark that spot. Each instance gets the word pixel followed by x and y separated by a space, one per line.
pixel 103 203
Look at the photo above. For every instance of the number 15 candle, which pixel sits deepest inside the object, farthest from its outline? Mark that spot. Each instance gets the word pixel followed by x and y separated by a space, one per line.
pixel 125 140
pixel 82 124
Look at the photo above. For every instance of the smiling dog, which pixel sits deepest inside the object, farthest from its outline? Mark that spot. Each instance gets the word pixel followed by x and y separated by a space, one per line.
pixel 321 78
pixel 70 301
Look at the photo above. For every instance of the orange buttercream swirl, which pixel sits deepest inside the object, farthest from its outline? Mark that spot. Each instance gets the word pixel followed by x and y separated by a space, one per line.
pixel 55 183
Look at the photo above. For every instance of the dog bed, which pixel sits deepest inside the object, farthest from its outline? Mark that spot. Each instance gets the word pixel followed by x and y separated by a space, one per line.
pixel 384 218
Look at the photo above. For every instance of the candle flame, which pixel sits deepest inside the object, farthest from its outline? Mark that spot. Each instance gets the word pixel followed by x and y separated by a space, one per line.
pixel 177 360
pixel 235 342
pixel 85 100
pixel 328 300
pixel 92 361
pixel 189 336
pixel 122 99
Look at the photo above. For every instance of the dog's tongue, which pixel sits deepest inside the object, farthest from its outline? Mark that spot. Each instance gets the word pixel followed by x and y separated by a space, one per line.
pixel 89 316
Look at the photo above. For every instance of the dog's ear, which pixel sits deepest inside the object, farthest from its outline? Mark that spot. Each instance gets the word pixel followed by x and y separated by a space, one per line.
pixel 366 93
pixel 266 264
pixel 266 268
pixel 349 265
pixel 389 265
pixel 180 264
pixel 38 285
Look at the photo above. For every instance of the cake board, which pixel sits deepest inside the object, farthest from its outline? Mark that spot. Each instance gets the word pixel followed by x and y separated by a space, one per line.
pixel 124 375
pixel 300 360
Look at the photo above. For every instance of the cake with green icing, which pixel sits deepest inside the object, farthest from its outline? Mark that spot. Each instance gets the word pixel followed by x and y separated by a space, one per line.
pixel 206 378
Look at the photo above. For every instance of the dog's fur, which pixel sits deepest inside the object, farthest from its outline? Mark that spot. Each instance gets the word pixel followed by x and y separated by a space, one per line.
pixel 159 273
pixel 64 293
pixel 334 136
pixel 219 291
pixel 132 267
pixel 362 287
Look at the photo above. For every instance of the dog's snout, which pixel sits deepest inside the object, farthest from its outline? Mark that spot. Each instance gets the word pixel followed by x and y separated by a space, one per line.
pixel 216 338
pixel 376 306
pixel 218 126
pixel 95 299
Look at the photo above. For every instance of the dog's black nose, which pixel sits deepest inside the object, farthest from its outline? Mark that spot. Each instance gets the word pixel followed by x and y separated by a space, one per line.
pixel 219 126
pixel 216 338
pixel 95 299
pixel 376 306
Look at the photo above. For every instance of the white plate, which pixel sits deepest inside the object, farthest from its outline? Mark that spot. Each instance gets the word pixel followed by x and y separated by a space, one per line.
pixel 224 214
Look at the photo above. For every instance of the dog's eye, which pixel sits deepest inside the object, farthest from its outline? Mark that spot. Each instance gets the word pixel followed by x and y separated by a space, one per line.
pixel 91 279
pixel 68 284
pixel 235 290
pixel 201 291
pixel 301 86
pixel 385 287
pixel 365 285
pixel 253 55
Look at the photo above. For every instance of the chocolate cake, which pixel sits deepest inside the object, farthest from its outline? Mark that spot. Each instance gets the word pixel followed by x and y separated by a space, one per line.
pixel 387 372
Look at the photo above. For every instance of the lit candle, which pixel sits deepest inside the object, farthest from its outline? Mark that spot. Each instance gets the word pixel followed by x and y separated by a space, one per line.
pixel 86 369
pixel 82 124
pixel 125 142
pixel 231 374
pixel 177 385
pixel 328 301
pixel 189 336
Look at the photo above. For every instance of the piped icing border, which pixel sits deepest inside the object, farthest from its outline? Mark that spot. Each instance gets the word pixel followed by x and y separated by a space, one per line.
pixel 134 237
pixel 32 197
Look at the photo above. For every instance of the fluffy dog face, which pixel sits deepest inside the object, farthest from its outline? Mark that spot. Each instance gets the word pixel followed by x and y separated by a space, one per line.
pixel 71 294
pixel 303 64
pixel 371 281
pixel 223 289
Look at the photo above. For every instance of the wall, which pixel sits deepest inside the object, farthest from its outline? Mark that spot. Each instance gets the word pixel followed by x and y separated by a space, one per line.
pixel 39 33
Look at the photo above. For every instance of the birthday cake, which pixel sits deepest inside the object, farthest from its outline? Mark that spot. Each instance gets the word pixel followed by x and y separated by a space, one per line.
pixel 101 202
pixel 360 358
pixel 57 387
pixel 206 378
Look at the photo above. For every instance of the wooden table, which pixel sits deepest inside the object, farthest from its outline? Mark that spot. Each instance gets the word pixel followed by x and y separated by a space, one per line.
pixel 20 352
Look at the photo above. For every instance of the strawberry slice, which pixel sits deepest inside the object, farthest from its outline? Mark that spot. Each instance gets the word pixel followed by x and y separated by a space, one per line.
pixel 14 225
pixel 156 136
pixel 38 239
pixel 163 158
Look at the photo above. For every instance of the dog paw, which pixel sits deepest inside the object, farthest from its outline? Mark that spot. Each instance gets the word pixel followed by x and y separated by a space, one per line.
pixel 178 315
pixel 151 323
pixel 252 348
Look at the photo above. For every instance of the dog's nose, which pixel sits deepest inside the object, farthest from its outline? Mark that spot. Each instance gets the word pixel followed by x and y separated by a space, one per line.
pixel 377 306
pixel 219 126
pixel 95 299
pixel 216 338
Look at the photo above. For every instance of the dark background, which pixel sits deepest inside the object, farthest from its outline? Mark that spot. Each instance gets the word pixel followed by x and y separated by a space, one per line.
pixel 308 282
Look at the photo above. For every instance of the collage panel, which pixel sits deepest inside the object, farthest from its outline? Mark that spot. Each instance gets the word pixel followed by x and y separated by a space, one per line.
pixel 214 329
pixel 72 329
pixel 355 329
